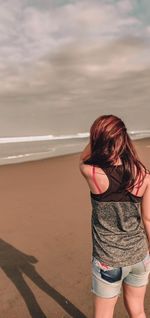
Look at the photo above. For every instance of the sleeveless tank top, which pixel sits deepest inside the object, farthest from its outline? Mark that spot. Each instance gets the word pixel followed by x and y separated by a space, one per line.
pixel 118 235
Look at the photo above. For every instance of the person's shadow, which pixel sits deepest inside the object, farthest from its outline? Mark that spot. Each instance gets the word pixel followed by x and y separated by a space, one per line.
pixel 16 263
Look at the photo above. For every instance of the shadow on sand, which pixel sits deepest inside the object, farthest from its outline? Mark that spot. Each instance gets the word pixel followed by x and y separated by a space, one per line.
pixel 15 263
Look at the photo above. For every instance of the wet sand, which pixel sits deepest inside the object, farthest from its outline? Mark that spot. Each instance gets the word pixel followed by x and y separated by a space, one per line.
pixel 45 246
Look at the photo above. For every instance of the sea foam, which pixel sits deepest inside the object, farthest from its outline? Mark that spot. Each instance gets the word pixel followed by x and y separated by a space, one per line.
pixel 29 148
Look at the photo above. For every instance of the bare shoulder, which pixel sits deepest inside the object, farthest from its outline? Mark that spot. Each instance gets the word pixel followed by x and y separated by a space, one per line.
pixel 147 179
pixel 146 183
pixel 145 175
pixel 86 169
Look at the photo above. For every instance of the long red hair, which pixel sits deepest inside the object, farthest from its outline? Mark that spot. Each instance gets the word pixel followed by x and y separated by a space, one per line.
pixel 109 140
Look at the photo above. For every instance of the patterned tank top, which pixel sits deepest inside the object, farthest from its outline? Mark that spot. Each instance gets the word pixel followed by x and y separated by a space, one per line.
pixel 118 235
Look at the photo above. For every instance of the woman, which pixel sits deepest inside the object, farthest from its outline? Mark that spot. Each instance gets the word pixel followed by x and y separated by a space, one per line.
pixel 120 196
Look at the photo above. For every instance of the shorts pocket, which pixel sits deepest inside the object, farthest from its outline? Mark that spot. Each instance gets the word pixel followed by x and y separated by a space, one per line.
pixel 146 263
pixel 113 275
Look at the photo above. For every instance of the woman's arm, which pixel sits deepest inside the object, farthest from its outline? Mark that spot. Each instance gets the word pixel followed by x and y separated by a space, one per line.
pixel 85 154
pixel 146 209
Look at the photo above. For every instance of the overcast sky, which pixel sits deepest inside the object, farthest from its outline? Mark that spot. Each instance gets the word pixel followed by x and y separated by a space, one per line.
pixel 39 38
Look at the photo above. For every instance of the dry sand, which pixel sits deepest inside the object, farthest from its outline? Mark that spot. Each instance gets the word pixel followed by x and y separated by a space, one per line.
pixel 45 246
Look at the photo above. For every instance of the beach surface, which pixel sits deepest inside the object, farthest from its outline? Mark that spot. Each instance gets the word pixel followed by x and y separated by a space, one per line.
pixel 45 245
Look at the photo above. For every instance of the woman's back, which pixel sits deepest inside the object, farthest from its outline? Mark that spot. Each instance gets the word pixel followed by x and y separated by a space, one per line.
pixel 118 236
pixel 102 180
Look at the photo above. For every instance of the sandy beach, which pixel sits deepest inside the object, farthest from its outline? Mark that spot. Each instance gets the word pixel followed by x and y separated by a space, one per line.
pixel 45 246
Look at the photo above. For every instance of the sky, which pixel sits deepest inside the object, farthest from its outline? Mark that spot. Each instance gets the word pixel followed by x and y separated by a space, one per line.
pixel 38 37
pixel 61 57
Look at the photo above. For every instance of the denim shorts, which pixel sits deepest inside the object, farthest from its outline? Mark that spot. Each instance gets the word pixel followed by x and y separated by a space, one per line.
pixel 107 283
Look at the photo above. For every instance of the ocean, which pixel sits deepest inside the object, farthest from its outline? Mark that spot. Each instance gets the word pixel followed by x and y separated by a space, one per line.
pixel 31 148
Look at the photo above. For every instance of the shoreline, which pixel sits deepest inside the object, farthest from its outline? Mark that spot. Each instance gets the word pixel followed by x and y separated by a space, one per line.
pixel 43 155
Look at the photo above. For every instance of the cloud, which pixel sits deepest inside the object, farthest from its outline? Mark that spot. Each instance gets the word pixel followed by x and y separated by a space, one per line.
pixel 43 43
pixel 29 32
pixel 125 6
pixel 68 71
